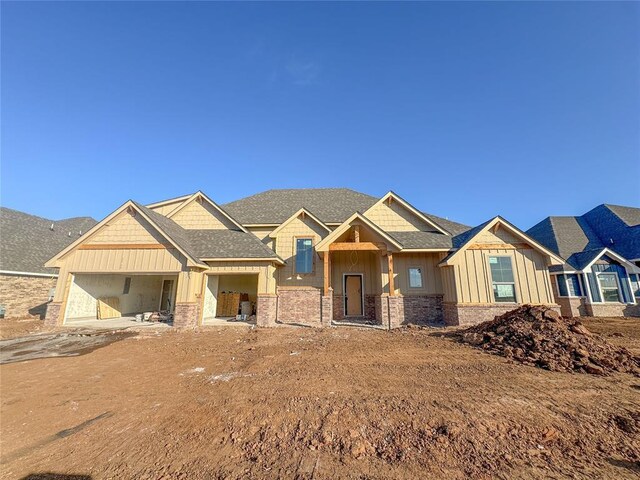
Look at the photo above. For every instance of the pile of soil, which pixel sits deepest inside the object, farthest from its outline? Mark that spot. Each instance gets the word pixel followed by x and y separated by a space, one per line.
pixel 539 336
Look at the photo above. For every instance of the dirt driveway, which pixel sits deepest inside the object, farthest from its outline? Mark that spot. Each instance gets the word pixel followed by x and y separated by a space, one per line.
pixel 303 403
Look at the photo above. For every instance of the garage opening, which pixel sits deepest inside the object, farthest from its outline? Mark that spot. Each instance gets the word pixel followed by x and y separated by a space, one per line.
pixel 230 299
pixel 103 299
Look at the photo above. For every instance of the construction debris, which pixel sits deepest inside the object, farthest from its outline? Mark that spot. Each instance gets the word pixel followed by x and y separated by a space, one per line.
pixel 539 336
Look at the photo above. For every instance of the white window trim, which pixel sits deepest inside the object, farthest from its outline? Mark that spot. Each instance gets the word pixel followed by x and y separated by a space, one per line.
pixel 615 275
pixel 515 290
pixel 415 267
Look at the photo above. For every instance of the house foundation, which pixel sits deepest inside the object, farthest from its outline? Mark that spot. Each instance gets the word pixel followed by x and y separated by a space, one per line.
pixel 460 314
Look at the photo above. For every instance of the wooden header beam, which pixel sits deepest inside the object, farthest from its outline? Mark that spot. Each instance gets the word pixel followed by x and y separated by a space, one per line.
pixel 346 246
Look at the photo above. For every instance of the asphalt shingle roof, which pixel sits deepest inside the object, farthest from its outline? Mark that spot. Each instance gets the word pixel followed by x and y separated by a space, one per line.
pixel 330 205
pixel 228 244
pixel 420 240
pixel 27 241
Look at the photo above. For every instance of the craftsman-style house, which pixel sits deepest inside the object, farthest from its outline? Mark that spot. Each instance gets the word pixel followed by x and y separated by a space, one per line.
pixel 306 256
pixel 601 272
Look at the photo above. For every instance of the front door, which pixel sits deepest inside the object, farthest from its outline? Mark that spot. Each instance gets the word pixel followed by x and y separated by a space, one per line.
pixel 353 295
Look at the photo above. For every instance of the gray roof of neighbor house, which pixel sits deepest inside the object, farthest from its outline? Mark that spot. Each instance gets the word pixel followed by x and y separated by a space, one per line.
pixel 27 241
pixel 579 239
pixel 330 205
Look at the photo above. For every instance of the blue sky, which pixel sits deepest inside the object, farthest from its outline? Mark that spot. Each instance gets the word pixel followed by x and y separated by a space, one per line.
pixel 467 110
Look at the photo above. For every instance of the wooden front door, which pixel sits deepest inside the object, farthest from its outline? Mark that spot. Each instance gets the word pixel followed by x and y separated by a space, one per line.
pixel 353 295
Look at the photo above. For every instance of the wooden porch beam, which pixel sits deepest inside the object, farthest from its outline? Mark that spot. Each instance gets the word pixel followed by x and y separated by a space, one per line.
pixel 345 246
pixel 392 287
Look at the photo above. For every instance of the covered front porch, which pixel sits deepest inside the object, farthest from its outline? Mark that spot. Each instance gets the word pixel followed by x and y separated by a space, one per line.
pixel 358 275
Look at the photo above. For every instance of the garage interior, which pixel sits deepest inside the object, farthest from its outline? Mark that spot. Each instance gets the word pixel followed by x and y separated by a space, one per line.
pixel 103 297
pixel 227 296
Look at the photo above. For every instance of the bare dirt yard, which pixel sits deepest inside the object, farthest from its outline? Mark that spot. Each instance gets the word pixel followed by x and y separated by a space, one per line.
pixel 306 403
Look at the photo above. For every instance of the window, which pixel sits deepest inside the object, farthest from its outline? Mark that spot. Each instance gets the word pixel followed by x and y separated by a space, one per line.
pixel 609 287
pixel 415 277
pixel 127 285
pixel 573 285
pixel 635 284
pixel 504 287
pixel 569 285
pixel 304 255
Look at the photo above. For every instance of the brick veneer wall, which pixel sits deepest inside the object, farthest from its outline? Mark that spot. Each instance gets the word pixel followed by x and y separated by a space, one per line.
pixel 52 318
pixel 327 308
pixel 612 310
pixel 300 305
pixel 460 314
pixel 423 309
pixel 24 296
pixel 266 310
pixel 370 307
pixel 572 306
pixel 186 315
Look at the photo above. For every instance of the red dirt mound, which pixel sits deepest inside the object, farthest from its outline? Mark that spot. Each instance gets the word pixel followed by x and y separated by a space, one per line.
pixel 539 336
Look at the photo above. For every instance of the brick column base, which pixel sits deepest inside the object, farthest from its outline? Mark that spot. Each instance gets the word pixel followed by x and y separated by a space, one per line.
pixel 53 317
pixel 185 315
pixel 396 311
pixel 266 310
pixel 327 309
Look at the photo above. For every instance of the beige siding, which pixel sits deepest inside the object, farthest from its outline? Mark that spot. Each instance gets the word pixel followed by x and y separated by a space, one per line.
pixel 126 228
pixel 285 244
pixel 500 236
pixel 367 263
pixel 431 277
pixel 396 218
pixel 202 216
pixel 167 208
pixel 473 282
pixel 448 275
pixel 263 234
pixel 124 261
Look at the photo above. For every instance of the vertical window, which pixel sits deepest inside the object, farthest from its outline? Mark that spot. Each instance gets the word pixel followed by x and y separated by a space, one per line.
pixel 415 277
pixel 127 285
pixel 304 255
pixel 504 287
pixel 562 286
pixel 609 287
pixel 573 285
pixel 635 284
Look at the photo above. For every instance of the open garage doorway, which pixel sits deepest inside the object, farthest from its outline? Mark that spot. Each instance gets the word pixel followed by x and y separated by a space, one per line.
pixel 227 296
pixel 106 299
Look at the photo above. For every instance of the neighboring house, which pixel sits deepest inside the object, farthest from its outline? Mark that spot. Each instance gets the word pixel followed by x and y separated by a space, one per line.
pixel 26 243
pixel 302 256
pixel 602 253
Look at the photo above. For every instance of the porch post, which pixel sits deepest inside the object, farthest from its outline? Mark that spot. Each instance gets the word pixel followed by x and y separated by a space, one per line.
pixel 392 290
pixel 327 266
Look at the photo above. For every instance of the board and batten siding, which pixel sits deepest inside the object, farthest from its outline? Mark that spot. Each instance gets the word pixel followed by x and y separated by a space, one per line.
pixel 396 218
pixel 431 276
pixel 366 263
pixel 469 280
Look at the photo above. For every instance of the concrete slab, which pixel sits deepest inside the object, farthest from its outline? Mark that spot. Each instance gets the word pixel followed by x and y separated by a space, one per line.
pixel 113 323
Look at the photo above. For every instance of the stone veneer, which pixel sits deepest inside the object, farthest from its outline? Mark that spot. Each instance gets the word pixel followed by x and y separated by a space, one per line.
pixel 186 315
pixel 460 314
pixel 612 310
pixel 301 305
pixel 24 296
pixel 266 310
pixel 52 318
